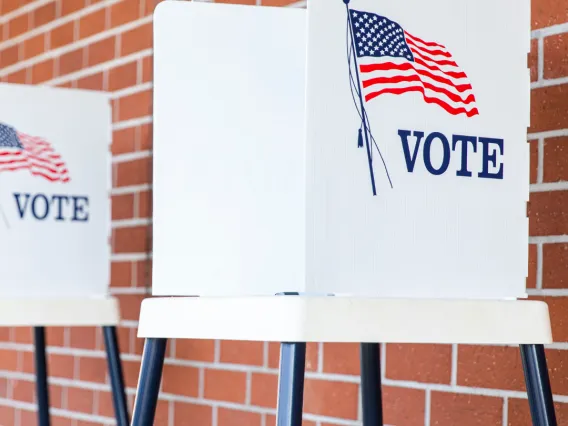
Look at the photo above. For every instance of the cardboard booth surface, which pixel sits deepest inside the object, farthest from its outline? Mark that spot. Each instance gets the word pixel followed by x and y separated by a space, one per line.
pixel 55 181
pixel 370 148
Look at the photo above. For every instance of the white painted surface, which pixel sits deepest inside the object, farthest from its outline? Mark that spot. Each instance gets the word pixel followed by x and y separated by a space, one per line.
pixel 248 203
pixel 346 319
pixel 59 312
pixel 56 257
pixel 228 149
pixel 430 235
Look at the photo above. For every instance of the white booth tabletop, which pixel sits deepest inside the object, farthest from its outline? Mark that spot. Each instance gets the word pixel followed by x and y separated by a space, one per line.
pixel 346 319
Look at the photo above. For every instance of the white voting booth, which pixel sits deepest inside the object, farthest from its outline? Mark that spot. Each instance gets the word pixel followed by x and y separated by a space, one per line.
pixel 356 172
pixel 55 181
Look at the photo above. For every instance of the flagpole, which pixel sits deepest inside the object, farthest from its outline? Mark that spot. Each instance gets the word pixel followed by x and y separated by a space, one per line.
pixel 365 129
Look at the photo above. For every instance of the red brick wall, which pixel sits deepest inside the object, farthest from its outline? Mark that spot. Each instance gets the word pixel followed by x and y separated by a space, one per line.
pixel 108 45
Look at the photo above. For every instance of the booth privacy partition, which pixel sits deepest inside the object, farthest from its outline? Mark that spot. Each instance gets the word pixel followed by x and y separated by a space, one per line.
pixel 356 172
pixel 55 180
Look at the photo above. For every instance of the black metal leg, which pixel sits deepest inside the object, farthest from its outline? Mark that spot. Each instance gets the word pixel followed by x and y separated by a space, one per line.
pixel 116 376
pixel 149 382
pixel 538 385
pixel 371 385
pixel 291 384
pixel 41 377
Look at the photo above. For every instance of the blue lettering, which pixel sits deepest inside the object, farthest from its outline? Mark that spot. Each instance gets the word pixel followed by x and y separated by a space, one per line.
pixel 464 140
pixel 78 207
pixel 427 158
pixel 410 159
pixel 59 199
pixel 41 206
pixel 46 208
pixel 21 210
pixel 491 158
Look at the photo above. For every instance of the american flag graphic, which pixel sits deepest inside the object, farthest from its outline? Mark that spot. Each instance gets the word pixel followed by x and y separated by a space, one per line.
pixel 391 60
pixel 19 151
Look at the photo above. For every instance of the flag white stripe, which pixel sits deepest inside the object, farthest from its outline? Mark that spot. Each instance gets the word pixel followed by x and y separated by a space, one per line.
pixel 409 73
pixel 431 93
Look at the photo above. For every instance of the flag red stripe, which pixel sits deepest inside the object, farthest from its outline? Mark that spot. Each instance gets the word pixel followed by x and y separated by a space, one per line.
pixel 38 158
pixel 16 167
pixel 386 66
pixel 11 154
pixel 23 161
pixel 43 151
pixel 431 52
pixel 455 74
pixel 427 43
pixel 33 162
pixel 37 172
pixel 49 178
pixel 47 162
pixel 397 91
pixel 434 61
pixel 459 87
pixel 411 78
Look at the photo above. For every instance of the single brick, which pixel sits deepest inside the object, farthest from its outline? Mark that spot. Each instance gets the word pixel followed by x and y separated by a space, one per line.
pixel 496 367
pixel 403 406
pixel 242 352
pixel 121 274
pixel 420 363
pixel 548 108
pixel 451 409
pixel 195 350
pixel 264 390
pixel 222 385
pixel 555 266
pixel 122 206
pixel 93 23
pixel 556 55
pixel 555 159
pixel 229 417
pixel 134 172
pixel 548 213
pixel 122 76
pixel 341 358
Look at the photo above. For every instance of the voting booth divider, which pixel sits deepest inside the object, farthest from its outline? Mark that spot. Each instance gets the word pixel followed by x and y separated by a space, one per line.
pixel 55 181
pixel 356 172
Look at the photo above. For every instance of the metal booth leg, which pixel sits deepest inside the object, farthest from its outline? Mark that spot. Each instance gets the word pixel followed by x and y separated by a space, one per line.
pixel 291 384
pixel 291 381
pixel 149 382
pixel 42 389
pixel 538 385
pixel 116 376
pixel 371 385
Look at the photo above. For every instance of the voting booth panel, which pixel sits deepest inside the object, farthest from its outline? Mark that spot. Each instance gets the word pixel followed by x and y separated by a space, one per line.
pixel 229 150
pixel 55 180
pixel 388 158
pixel 416 151
pixel 380 153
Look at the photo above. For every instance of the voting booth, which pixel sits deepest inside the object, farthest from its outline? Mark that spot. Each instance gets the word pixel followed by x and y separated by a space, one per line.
pixel 356 172
pixel 55 181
